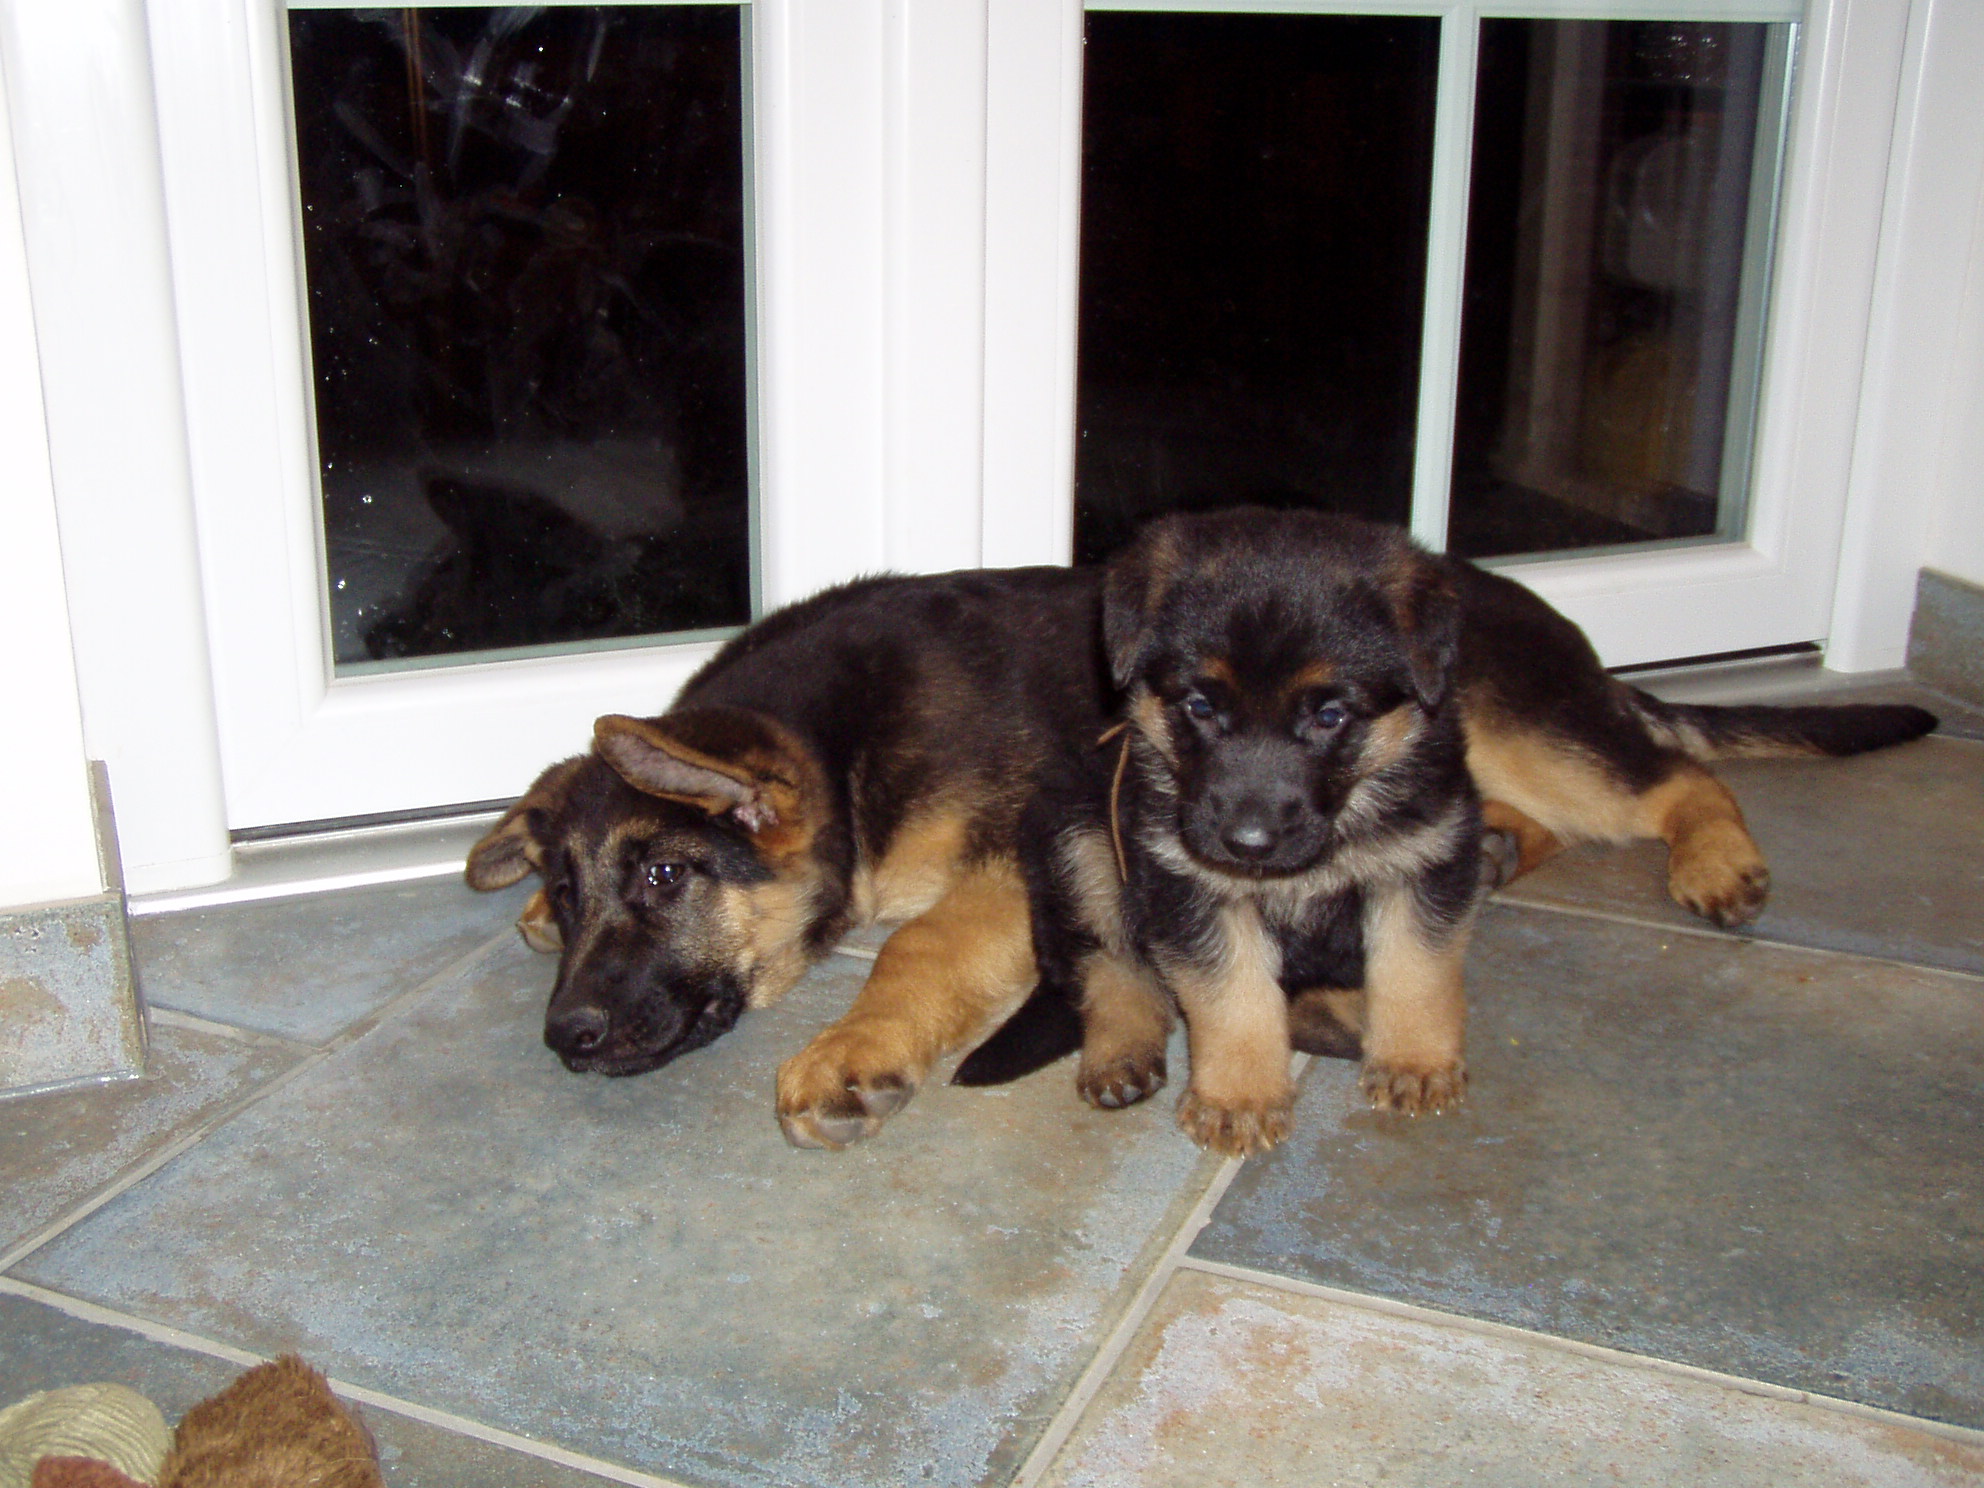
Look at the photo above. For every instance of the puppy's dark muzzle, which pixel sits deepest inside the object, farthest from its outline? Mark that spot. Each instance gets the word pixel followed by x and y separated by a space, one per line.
pixel 592 1039
pixel 1255 816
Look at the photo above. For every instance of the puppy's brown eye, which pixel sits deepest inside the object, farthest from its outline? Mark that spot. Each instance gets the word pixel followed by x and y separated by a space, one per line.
pixel 1332 716
pixel 1199 706
pixel 662 875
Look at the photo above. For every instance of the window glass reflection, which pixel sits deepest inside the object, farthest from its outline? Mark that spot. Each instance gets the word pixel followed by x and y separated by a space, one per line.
pixel 1616 267
pixel 524 254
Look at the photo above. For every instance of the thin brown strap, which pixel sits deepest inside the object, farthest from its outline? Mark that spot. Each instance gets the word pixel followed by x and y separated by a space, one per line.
pixel 1115 797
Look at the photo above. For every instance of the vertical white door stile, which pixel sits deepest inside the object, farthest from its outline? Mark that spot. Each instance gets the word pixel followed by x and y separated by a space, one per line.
pixel 1446 266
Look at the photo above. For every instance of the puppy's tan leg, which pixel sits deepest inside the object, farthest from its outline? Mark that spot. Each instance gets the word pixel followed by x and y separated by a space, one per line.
pixel 1126 1018
pixel 1415 1008
pixel 1714 866
pixel 1241 1100
pixel 940 982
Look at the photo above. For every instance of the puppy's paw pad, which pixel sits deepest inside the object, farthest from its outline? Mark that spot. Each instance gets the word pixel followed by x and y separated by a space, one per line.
pixel 1726 894
pixel 1241 1129
pixel 1413 1090
pixel 1121 1082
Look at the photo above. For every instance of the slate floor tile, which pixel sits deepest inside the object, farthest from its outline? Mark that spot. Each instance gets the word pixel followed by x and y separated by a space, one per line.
pixel 58 1149
pixel 642 1269
pixel 42 1348
pixel 1232 1385
pixel 309 967
pixel 1882 855
pixel 1762 1161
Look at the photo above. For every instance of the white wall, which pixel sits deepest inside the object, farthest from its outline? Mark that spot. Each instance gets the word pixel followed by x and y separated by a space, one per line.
pixel 1956 531
pixel 47 841
pixel 93 220
pixel 1916 495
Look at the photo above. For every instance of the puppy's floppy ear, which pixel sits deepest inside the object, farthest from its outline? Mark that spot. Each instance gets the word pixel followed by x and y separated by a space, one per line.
pixel 721 760
pixel 1134 587
pixel 511 848
pixel 1426 606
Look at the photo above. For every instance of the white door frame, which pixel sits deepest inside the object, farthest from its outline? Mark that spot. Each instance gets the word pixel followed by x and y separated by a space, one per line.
pixel 936 135
pixel 1777 587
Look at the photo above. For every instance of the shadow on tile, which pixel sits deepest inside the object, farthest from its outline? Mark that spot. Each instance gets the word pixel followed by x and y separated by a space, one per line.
pixel 42 1348
pixel 642 1270
pixel 309 967
pixel 56 1150
pixel 1755 1160
pixel 1882 855
pixel 1233 1385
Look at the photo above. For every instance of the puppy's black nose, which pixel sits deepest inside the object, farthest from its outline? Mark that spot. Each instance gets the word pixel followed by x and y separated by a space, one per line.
pixel 1248 833
pixel 578 1031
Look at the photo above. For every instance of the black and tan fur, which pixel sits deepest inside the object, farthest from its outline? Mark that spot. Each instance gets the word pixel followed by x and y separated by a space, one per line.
pixel 1288 839
pixel 863 755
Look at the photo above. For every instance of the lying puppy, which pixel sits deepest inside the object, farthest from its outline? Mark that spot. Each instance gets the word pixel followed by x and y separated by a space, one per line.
pixel 1288 838
pixel 864 754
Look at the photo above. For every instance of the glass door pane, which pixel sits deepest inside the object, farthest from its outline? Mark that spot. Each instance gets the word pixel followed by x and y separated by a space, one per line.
pixel 524 245
pixel 1623 188
pixel 1256 193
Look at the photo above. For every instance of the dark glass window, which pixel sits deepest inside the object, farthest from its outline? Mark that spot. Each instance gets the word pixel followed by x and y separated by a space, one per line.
pixel 525 256
pixel 1256 191
pixel 1617 237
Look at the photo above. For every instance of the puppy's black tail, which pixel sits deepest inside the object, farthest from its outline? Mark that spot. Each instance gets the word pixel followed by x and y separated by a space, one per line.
pixel 1708 733
pixel 1045 1027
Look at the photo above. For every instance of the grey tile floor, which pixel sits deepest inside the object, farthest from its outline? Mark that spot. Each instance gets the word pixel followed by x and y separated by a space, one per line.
pixel 1714 1212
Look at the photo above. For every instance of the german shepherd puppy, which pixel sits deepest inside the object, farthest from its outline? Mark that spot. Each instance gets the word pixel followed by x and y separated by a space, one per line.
pixel 864 754
pixel 1288 838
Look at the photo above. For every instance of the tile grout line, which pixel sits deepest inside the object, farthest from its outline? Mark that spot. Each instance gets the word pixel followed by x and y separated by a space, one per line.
pixel 1644 1363
pixel 1724 937
pixel 240 1033
pixel 131 1177
pixel 458 1425
pixel 1076 1402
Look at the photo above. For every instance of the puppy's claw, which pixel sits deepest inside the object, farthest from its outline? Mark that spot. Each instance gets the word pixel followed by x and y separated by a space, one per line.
pixel 1413 1092
pixel 1240 1130
pixel 1121 1082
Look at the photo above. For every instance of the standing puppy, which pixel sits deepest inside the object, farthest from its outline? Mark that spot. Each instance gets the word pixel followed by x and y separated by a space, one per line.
pixel 1286 837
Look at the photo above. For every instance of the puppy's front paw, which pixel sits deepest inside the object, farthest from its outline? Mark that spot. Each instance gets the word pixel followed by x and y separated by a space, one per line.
pixel 1413 1090
pixel 1237 1128
pixel 841 1088
pixel 1123 1079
